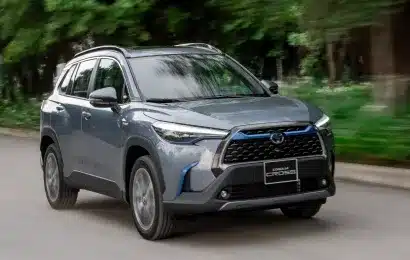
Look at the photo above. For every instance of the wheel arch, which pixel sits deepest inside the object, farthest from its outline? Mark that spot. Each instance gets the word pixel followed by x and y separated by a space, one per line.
pixel 48 136
pixel 135 148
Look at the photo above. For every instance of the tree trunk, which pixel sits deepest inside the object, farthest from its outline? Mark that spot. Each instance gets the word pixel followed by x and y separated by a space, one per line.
pixel 48 75
pixel 261 66
pixel 35 77
pixel 383 64
pixel 21 75
pixel 340 60
pixel 279 68
pixel 331 63
pixel 51 60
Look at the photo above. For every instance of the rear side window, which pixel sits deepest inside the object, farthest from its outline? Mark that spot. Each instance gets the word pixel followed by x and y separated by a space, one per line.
pixel 82 78
pixel 67 80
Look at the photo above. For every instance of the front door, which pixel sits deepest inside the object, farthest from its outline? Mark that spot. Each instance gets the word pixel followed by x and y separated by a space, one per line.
pixel 104 129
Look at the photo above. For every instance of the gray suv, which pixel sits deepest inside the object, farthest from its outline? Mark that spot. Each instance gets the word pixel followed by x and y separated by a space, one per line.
pixel 181 130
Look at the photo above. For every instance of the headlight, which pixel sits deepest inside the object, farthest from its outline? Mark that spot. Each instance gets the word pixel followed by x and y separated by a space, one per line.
pixel 323 123
pixel 177 133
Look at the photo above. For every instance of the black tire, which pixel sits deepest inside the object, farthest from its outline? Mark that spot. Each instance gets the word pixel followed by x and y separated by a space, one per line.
pixel 163 223
pixel 66 196
pixel 302 211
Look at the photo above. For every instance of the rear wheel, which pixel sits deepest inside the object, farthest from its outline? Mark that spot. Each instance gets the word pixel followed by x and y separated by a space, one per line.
pixel 304 210
pixel 151 219
pixel 59 194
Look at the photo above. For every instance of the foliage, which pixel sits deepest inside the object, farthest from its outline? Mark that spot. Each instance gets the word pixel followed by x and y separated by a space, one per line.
pixel 59 20
pixel 361 135
pixel 25 115
pixel 36 35
pixel 320 30
pixel 251 30
pixel 333 19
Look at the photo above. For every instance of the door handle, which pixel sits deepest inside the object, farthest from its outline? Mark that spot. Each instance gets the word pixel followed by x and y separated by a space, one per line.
pixel 59 109
pixel 86 115
pixel 124 122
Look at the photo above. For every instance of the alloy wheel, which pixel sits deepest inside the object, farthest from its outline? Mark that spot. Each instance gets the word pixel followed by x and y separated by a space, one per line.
pixel 143 199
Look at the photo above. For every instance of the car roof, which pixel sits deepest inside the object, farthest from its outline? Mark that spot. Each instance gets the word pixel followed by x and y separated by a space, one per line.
pixel 167 51
pixel 134 52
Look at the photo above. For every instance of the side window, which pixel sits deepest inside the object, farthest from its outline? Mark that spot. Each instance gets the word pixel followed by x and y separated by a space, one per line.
pixel 109 74
pixel 82 78
pixel 67 80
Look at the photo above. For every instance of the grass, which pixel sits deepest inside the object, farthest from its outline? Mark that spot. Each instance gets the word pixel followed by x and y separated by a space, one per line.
pixel 25 115
pixel 362 136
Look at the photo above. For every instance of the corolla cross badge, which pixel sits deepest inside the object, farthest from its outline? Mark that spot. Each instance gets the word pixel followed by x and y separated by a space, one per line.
pixel 277 138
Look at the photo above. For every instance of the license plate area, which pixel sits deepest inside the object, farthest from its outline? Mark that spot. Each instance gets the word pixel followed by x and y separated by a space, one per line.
pixel 280 171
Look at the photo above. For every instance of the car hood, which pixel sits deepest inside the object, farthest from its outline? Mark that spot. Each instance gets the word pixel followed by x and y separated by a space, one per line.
pixel 229 113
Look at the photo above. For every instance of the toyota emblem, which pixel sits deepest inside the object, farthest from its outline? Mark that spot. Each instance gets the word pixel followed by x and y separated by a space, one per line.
pixel 277 138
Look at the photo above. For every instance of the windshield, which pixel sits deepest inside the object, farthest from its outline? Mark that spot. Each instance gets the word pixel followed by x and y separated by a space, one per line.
pixel 192 77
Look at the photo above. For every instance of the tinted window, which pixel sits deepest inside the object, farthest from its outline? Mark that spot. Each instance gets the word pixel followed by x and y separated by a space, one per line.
pixel 82 78
pixel 67 80
pixel 109 74
pixel 193 77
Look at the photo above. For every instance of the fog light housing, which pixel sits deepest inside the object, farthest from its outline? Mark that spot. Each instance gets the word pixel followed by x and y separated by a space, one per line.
pixel 224 194
pixel 323 182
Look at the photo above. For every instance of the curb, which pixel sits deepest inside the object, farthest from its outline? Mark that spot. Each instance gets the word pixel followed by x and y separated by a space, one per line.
pixel 19 133
pixel 398 178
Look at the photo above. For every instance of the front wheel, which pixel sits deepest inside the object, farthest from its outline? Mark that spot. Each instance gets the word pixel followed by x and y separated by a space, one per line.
pixel 303 211
pixel 150 217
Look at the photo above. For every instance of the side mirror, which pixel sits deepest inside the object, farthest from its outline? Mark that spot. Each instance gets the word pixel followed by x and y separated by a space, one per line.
pixel 272 86
pixel 105 97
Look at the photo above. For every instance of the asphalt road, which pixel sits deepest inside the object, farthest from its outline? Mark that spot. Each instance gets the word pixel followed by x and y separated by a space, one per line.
pixel 360 222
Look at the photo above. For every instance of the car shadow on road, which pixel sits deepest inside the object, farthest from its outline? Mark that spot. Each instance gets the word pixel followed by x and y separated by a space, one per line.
pixel 236 228
pixel 223 229
pixel 106 209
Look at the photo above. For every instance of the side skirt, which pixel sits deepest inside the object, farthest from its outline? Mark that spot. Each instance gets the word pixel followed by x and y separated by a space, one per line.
pixel 95 184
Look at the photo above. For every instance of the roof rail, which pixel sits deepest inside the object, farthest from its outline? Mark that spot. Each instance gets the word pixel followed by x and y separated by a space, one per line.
pixel 199 45
pixel 102 48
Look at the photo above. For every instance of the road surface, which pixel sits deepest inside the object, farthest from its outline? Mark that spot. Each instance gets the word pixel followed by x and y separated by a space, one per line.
pixel 360 222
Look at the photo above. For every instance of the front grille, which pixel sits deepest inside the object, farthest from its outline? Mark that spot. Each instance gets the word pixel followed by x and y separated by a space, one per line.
pixel 260 190
pixel 274 129
pixel 263 149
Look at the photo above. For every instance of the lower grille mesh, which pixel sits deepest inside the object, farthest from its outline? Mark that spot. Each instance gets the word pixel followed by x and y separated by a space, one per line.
pixel 260 190
pixel 263 149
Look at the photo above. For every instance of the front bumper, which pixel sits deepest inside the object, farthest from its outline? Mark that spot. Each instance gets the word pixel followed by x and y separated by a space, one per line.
pixel 245 183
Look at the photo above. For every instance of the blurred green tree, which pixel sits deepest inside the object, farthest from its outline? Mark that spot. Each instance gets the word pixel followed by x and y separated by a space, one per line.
pixel 322 27
pixel 36 35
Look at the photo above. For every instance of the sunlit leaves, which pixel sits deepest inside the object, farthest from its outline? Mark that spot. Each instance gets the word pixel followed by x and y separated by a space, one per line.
pixel 34 26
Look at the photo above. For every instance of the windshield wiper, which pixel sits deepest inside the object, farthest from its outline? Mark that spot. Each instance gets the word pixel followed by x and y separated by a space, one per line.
pixel 234 96
pixel 165 100
pixel 175 100
pixel 220 97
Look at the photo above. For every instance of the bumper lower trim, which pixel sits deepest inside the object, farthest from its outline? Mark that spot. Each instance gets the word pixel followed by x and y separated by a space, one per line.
pixel 195 206
pixel 208 200
pixel 289 199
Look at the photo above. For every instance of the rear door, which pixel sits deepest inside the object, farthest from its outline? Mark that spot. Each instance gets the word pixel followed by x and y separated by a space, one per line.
pixel 75 100
pixel 61 119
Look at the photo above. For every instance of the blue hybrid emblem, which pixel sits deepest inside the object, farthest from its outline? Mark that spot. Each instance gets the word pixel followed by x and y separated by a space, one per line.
pixel 277 138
